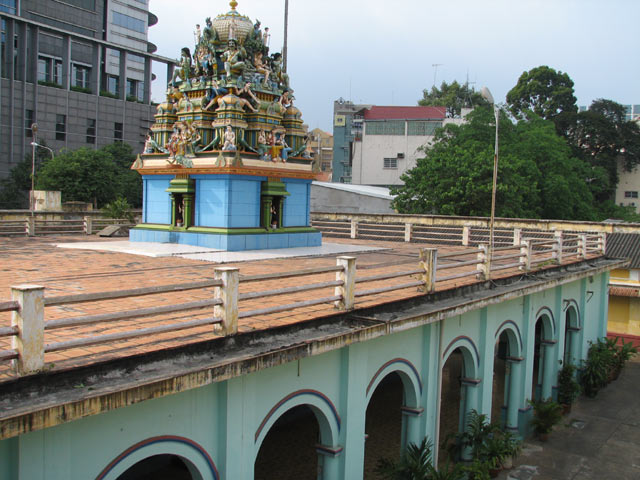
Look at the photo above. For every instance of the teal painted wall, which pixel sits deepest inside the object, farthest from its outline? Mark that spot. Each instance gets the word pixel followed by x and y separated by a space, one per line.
pixel 226 422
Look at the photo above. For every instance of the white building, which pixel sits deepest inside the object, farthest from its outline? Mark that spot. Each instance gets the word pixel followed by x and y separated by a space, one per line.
pixel 389 142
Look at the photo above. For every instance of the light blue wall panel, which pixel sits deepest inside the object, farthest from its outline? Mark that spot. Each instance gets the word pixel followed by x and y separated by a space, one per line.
pixel 296 206
pixel 212 201
pixel 157 202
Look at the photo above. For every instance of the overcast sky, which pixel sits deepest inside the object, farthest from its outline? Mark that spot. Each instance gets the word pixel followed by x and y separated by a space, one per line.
pixel 382 52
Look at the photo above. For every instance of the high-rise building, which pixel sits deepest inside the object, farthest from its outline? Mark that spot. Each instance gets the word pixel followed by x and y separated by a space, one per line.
pixel 80 69
pixel 346 130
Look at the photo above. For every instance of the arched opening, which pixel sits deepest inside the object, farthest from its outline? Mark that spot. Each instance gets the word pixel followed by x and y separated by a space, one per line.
pixel 384 424
pixel 288 451
pixel 543 338
pixel 458 384
pixel 571 329
pixel 500 391
pixel 160 467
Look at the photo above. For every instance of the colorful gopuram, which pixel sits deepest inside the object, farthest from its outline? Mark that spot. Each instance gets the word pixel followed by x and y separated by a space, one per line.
pixel 224 165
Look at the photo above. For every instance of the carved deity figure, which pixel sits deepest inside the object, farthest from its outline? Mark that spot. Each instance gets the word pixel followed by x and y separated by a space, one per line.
pixel 278 73
pixel 263 147
pixel 215 94
pixel 231 58
pixel 285 100
pixel 229 140
pixel 261 67
pixel 209 35
pixel 232 29
pixel 266 37
pixel 184 69
pixel 246 89
pixel 286 149
pixel 197 34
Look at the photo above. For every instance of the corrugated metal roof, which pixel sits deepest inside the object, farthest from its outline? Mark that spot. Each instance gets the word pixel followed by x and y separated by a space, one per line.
pixel 624 245
pixel 405 113
pixel 379 192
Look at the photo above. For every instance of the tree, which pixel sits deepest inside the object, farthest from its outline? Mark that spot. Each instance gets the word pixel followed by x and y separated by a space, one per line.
pixel 603 139
pixel 537 176
pixel 544 91
pixel 14 190
pixel 453 96
pixel 97 176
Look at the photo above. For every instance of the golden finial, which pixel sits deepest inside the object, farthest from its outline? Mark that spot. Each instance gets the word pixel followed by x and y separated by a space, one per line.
pixel 233 4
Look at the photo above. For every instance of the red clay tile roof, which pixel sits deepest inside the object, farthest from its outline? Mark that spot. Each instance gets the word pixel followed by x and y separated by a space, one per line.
pixel 620 291
pixel 404 113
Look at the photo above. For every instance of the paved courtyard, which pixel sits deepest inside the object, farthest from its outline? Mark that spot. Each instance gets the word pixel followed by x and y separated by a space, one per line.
pixel 599 439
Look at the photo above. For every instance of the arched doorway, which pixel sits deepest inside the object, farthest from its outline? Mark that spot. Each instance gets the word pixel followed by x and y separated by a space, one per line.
pixel 160 467
pixel 500 393
pixel 288 452
pixel 571 329
pixel 458 392
pixel 297 439
pixel 507 374
pixel 542 358
pixel 384 424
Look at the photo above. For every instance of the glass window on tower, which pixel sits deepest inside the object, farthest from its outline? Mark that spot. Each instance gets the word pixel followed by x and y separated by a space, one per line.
pixel 8 6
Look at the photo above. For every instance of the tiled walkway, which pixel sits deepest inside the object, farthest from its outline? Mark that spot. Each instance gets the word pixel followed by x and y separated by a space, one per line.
pixel 64 271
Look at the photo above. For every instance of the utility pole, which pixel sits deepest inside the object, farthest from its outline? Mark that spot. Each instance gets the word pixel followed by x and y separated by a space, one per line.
pixel 286 27
pixel 435 72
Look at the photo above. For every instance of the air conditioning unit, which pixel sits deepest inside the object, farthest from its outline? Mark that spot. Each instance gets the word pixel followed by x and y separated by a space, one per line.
pixel 400 155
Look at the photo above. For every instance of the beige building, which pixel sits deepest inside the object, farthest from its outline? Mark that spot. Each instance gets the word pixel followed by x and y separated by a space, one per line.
pixel 628 187
pixel 320 147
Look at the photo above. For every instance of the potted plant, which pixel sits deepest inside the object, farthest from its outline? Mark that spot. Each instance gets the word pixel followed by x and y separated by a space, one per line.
pixel 568 387
pixel 595 369
pixel 493 453
pixel 546 413
pixel 512 447
pixel 622 355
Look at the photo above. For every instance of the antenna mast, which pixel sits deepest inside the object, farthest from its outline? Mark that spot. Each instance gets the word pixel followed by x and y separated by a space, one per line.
pixel 435 72
pixel 286 27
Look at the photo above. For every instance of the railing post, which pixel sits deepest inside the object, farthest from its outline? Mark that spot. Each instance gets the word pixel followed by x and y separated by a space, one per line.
pixel 517 236
pixel 29 318
pixel 348 276
pixel 557 247
pixel 603 242
pixel 354 228
pixel 88 225
pixel 582 246
pixel 525 255
pixel 408 231
pixel 429 262
pixel 484 266
pixel 31 226
pixel 228 293
pixel 465 235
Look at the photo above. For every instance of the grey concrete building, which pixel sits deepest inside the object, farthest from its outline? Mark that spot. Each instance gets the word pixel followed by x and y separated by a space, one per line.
pixel 80 69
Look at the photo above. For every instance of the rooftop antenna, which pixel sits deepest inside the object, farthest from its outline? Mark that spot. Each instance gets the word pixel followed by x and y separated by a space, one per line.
pixel 286 27
pixel 435 72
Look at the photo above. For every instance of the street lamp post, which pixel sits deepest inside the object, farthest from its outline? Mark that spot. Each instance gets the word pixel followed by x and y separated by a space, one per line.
pixel 35 145
pixel 486 94
pixel 34 132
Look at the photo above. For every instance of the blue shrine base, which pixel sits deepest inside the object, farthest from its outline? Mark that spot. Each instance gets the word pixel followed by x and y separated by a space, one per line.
pixel 232 243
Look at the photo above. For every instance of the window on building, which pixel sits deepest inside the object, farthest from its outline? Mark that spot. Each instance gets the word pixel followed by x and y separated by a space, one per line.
pixel 385 127
pixel 631 194
pixel 86 4
pixel 29 119
pixel 61 127
pixel 49 70
pixel 131 23
pixel 113 84
pixel 8 6
pixel 91 131
pixel 390 163
pixel 117 131
pixel 81 76
pixel 422 128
